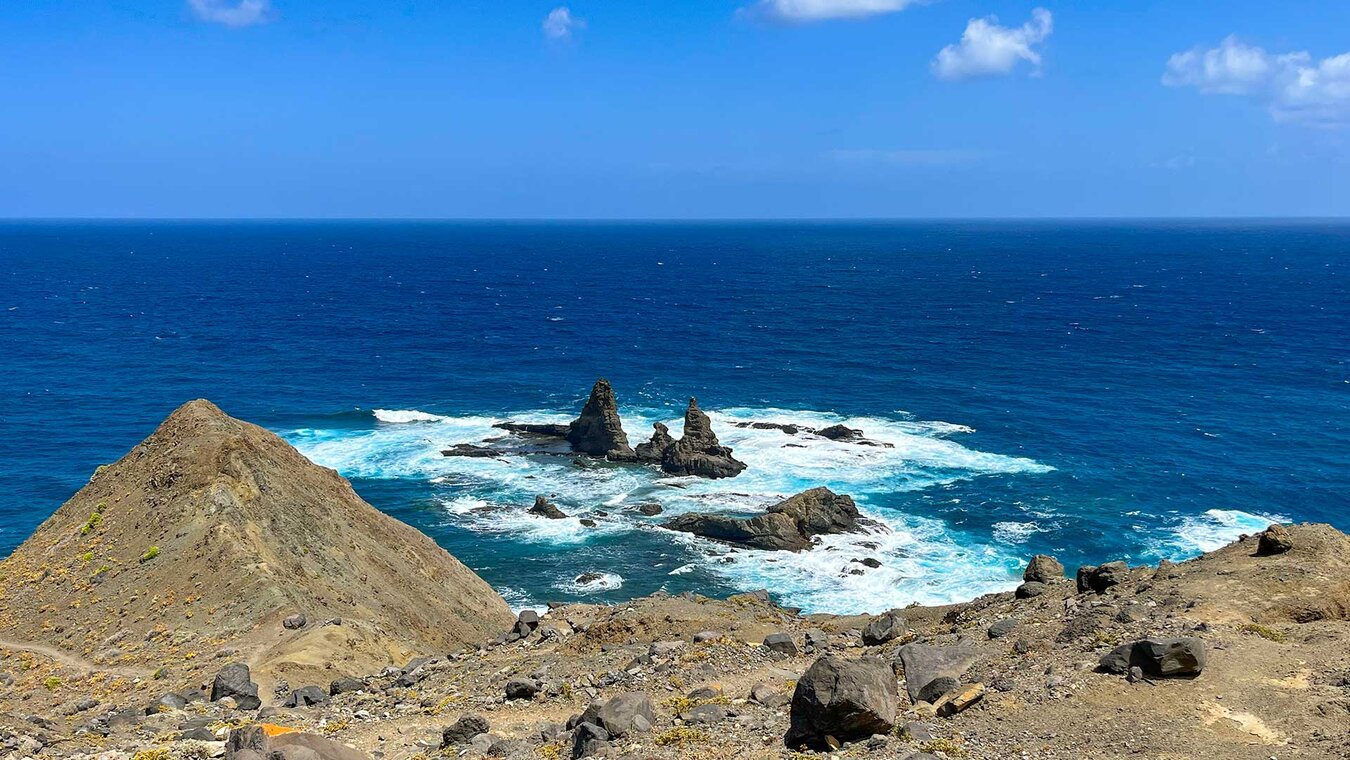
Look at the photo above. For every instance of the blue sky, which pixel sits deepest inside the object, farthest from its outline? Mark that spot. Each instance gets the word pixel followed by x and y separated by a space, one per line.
pixel 643 109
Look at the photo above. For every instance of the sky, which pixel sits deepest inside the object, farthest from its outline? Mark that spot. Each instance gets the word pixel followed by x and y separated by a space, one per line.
pixel 621 109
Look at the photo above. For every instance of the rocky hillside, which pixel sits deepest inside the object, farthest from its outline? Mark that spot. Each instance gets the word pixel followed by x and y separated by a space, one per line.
pixel 212 533
pixel 185 605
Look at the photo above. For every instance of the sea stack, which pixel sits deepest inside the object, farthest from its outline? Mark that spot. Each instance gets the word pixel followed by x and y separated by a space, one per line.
pixel 218 530
pixel 599 431
pixel 698 452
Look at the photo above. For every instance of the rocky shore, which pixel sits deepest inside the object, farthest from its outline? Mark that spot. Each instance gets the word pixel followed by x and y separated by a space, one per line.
pixel 213 594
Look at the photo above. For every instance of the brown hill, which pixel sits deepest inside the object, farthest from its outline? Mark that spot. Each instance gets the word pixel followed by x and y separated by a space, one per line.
pixel 212 531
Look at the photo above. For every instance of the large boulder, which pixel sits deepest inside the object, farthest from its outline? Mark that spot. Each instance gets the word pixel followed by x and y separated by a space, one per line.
pixel 698 452
pixel 788 525
pixel 924 663
pixel 884 628
pixel 845 700
pixel 598 431
pixel 652 451
pixel 1099 578
pixel 630 712
pixel 1043 569
pixel 464 729
pixel 234 680
pixel 1164 658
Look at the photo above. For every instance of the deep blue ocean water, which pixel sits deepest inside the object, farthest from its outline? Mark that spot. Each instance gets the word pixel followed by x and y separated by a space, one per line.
pixel 1095 390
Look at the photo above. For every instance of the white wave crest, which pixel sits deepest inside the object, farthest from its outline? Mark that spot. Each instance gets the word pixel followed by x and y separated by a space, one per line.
pixel 403 416
pixel 1216 528
pixel 590 583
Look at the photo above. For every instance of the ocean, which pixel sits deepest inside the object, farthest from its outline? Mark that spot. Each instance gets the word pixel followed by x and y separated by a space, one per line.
pixel 1095 390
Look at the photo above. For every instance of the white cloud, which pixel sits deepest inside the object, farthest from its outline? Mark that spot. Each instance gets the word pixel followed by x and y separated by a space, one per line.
pixel 232 14
pixel 987 49
pixel 1295 87
pixel 806 11
pixel 560 23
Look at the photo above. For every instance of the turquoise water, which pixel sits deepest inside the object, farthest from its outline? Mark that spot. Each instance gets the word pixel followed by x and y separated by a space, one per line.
pixel 1101 390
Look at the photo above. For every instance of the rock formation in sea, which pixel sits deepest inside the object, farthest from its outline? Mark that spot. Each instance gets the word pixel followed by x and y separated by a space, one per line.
pixel 698 452
pixel 651 451
pixel 788 525
pixel 599 431
pixel 212 531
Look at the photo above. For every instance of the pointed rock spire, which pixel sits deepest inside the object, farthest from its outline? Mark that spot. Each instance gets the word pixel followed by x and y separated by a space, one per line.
pixel 598 431
pixel 698 452
pixel 652 450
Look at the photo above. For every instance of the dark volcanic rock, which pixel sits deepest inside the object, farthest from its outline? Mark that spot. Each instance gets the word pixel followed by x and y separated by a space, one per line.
pixel 598 431
pixel 589 739
pixel 234 680
pixel 522 688
pixel 781 642
pixel 627 713
pixel 653 450
pixel 1030 590
pixel 698 452
pixel 464 729
pixel 925 662
pixel 884 628
pixel 844 699
pixel 783 427
pixel 294 622
pixel 1274 540
pixel 840 433
pixel 788 526
pixel 346 684
pixel 546 430
pixel 772 531
pixel 1099 578
pixel 471 450
pixel 1157 657
pixel 306 696
pixel 545 508
pixel 937 689
pixel 1043 569
pixel 650 510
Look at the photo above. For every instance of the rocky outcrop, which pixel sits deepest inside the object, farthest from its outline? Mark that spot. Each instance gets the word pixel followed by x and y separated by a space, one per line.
pixel 1043 569
pixel 788 525
pixel 838 700
pixel 541 429
pixel 599 431
pixel 1099 578
pixel 545 508
pixel 698 452
pixel 652 451
pixel 1274 540
pixel 231 516
pixel 472 450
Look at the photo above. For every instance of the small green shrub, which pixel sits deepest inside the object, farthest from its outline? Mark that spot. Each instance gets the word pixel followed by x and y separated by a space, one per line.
pixel 150 554
pixel 1265 632
pixel 52 683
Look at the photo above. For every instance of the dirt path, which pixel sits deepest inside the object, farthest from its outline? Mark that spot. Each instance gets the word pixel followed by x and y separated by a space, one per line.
pixel 71 660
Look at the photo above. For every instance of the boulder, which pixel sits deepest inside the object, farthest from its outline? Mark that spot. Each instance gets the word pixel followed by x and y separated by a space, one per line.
pixel 938 688
pixel 698 452
pixel 650 509
pixel 346 684
pixel 704 714
pixel 768 696
pixel 923 663
pixel 1274 540
pixel 781 643
pixel 840 433
pixel 652 451
pixel 294 622
pixel 234 680
pixel 522 688
pixel 626 713
pixel 464 729
pixel 526 622
pixel 598 431
pixel 1030 590
pixel 1099 578
pixel 1002 628
pixel 589 739
pixel 545 508
pixel 1164 658
pixel 166 703
pixel 1043 569
pixel 843 700
pixel 306 696
pixel 884 628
